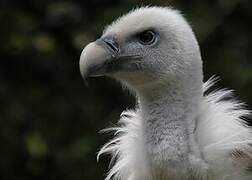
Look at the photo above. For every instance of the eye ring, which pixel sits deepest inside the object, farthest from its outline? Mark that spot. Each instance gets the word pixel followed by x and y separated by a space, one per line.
pixel 147 37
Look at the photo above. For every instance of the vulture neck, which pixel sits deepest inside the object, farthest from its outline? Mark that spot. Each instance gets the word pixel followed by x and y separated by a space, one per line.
pixel 169 118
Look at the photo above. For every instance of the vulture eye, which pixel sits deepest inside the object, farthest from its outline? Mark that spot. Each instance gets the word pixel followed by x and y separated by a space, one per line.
pixel 147 37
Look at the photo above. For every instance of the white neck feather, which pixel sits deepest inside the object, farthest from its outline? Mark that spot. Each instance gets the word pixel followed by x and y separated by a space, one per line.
pixel 169 117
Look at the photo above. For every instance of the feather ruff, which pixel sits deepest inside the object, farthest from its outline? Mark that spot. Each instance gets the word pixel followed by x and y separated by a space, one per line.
pixel 222 134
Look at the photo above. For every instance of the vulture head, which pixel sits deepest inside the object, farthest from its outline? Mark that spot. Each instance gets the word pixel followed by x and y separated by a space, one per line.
pixel 177 131
pixel 144 49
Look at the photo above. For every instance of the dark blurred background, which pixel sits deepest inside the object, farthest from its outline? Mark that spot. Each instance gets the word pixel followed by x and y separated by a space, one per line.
pixel 49 119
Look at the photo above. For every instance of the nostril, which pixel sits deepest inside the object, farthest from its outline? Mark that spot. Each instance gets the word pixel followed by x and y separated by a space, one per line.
pixel 111 42
pixel 112 46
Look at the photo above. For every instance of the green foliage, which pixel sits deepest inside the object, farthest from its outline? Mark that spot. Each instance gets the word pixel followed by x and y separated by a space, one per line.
pixel 36 145
pixel 49 119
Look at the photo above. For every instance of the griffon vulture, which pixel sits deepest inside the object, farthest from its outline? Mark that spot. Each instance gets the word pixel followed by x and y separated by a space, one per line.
pixel 179 130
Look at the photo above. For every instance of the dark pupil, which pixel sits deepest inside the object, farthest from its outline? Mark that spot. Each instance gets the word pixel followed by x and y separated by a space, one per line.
pixel 146 37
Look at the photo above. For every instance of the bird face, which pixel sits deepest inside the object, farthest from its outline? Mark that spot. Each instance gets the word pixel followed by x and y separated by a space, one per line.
pixel 146 46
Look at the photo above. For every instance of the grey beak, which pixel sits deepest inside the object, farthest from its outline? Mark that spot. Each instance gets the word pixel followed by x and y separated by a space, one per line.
pixel 96 57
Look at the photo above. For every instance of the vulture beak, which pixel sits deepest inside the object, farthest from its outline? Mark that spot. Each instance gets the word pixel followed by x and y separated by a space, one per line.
pixel 99 57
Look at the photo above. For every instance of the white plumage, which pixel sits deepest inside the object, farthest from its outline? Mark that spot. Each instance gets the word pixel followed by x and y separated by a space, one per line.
pixel 179 130
pixel 223 138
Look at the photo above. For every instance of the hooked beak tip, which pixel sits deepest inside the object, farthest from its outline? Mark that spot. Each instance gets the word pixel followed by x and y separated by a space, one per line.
pixel 92 59
pixel 95 59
